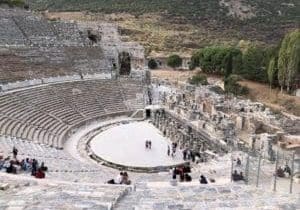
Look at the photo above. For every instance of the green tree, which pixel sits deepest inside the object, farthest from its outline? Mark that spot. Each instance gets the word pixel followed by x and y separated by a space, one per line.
pixel 174 61
pixel 152 64
pixel 272 70
pixel 288 59
pixel 213 60
pixel 293 67
pixel 254 67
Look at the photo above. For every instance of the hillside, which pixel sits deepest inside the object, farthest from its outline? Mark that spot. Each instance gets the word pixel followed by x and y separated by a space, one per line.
pixel 173 25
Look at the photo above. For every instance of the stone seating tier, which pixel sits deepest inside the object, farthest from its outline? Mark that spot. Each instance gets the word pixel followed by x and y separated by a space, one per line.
pixel 45 114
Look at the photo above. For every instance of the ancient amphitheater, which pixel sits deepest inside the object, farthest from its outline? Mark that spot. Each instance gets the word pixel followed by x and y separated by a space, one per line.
pixel 75 96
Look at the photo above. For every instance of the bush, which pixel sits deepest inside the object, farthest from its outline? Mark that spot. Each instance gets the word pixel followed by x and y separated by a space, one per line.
pixel 174 61
pixel 232 86
pixel 198 79
pixel 152 64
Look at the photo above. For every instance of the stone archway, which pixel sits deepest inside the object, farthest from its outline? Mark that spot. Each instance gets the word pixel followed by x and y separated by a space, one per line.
pixel 124 63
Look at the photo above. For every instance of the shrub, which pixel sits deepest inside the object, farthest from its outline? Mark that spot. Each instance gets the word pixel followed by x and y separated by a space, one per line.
pixel 198 79
pixel 152 64
pixel 232 86
pixel 174 61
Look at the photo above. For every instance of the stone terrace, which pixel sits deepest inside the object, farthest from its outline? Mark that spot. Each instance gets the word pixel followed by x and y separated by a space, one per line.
pixel 29 194
pixel 162 196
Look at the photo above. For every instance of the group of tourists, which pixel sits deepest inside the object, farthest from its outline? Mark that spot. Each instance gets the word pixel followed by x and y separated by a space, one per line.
pixel 188 154
pixel 237 176
pixel 183 173
pixel 14 165
pixel 122 178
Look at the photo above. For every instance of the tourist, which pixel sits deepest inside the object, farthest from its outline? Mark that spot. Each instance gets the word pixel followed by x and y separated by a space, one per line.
pixel 235 176
pixel 188 154
pixel 241 177
pixel 15 152
pixel 119 178
pixel 43 167
pixel 174 173
pixel 203 180
pixel 184 152
pixel 187 178
pixel 287 169
pixel 11 169
pixel 168 152
pixel 125 179
pixel 40 174
pixel 149 144
pixel 280 172
pixel 146 144
pixel 34 167
pixel 181 176
pixel 238 162
pixel 192 156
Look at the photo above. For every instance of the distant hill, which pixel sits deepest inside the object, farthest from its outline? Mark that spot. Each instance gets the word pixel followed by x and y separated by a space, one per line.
pixel 260 20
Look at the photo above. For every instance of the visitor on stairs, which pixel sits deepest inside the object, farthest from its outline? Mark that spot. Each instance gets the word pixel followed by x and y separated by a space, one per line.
pixel 40 174
pixel 203 180
pixel 34 167
pixel 168 151
pixel 15 152
pixel 125 179
pixel 187 178
pixel 119 178
pixel 122 178
pixel 43 167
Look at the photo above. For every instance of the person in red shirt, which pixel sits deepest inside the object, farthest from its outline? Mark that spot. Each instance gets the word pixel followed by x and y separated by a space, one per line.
pixel 40 174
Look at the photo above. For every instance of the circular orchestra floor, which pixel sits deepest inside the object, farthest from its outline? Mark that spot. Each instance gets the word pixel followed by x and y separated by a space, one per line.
pixel 125 145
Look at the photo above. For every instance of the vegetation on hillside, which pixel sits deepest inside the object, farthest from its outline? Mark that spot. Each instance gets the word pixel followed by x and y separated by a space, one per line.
pixel 184 25
pixel 278 65
pixel 198 79
pixel 13 3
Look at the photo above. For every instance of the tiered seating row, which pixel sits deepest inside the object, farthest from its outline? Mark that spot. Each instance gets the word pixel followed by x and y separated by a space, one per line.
pixel 45 114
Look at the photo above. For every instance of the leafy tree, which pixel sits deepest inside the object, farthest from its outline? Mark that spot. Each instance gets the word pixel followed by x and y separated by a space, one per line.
pixel 294 59
pixel 214 59
pixel 195 60
pixel 152 64
pixel 288 59
pixel 228 67
pixel 272 70
pixel 174 61
pixel 254 67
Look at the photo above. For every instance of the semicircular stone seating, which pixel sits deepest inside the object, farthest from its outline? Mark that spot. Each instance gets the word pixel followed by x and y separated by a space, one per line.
pixel 45 114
